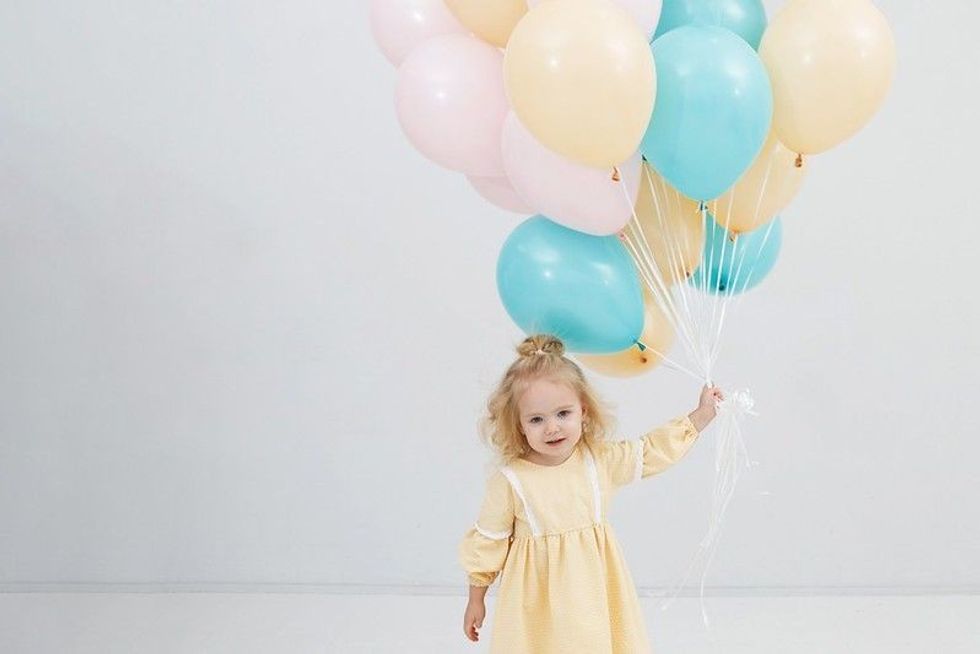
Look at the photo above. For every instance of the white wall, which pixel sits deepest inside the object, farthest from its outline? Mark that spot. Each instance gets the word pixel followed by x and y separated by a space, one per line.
pixel 247 331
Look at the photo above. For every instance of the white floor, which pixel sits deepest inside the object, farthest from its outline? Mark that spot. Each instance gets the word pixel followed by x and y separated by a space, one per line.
pixel 281 623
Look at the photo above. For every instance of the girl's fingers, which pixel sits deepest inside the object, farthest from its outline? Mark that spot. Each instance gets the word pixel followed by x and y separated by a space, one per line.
pixel 470 629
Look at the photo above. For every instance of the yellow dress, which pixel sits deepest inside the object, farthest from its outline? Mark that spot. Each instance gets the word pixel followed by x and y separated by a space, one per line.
pixel 564 586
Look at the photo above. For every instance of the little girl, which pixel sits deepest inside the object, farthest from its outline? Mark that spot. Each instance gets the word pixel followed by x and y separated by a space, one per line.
pixel 564 587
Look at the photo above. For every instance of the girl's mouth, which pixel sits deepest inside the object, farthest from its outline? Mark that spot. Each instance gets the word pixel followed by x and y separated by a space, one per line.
pixel 557 441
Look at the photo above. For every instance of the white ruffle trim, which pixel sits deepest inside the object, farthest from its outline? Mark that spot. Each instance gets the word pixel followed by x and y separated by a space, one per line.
pixel 492 535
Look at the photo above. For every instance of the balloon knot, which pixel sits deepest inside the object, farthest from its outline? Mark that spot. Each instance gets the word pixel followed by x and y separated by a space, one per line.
pixel 738 402
pixel 799 161
pixel 615 174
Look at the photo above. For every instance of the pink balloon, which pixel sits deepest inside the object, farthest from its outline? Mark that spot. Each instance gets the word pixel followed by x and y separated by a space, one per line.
pixel 498 191
pixel 645 12
pixel 451 103
pixel 577 196
pixel 400 25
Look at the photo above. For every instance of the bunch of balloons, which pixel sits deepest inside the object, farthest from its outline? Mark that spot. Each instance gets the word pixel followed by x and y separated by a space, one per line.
pixel 645 141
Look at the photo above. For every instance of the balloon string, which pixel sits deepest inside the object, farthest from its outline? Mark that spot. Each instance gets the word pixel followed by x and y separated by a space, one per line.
pixel 699 320
pixel 659 289
pixel 650 277
pixel 731 458
pixel 702 295
pixel 748 280
pixel 675 257
pixel 669 362
pixel 734 285
pixel 716 332
pixel 687 290
pixel 707 274
pixel 679 312
pixel 636 241
pixel 731 455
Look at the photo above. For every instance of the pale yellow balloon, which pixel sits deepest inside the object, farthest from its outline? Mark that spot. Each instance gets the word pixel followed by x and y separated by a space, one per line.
pixel 669 227
pixel 581 78
pixel 831 63
pixel 657 337
pixel 762 191
pixel 491 20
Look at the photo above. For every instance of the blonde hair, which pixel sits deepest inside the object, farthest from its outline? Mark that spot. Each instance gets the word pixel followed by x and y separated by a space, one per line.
pixel 540 356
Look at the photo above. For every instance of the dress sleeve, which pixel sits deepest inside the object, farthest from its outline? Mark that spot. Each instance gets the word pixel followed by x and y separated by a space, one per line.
pixel 628 461
pixel 485 545
pixel 665 445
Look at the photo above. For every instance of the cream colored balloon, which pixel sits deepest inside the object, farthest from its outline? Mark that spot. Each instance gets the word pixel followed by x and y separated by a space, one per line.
pixel 657 337
pixel 580 76
pixel 491 20
pixel 831 63
pixel 670 227
pixel 762 191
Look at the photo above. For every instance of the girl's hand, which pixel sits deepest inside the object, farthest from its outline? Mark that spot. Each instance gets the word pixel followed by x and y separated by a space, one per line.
pixel 476 610
pixel 707 407
pixel 710 397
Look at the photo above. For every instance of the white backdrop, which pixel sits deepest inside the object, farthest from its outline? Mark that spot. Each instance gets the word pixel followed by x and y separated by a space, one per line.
pixel 247 330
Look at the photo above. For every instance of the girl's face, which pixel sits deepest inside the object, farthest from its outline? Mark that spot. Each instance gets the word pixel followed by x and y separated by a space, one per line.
pixel 551 418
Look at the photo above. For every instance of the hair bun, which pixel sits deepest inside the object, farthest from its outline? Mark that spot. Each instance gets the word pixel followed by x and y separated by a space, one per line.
pixel 541 344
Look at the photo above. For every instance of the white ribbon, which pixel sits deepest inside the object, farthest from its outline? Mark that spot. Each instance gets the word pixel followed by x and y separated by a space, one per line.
pixel 731 457
pixel 738 402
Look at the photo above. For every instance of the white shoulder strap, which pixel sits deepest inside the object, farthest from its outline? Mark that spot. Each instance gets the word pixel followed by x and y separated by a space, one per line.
pixel 594 481
pixel 638 446
pixel 516 485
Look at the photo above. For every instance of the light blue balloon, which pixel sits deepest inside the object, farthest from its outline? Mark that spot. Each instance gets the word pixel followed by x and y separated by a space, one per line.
pixel 581 288
pixel 712 112
pixel 747 18
pixel 732 268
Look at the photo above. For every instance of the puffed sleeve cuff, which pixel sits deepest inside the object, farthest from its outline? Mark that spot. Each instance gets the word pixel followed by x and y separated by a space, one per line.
pixel 482 554
pixel 482 580
pixel 666 445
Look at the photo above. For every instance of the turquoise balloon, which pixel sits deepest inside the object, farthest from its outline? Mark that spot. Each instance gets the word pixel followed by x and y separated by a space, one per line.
pixel 581 288
pixel 728 268
pixel 712 113
pixel 747 18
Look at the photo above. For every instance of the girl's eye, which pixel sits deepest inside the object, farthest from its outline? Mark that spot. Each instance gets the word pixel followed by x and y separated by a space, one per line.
pixel 535 420
pixel 564 413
